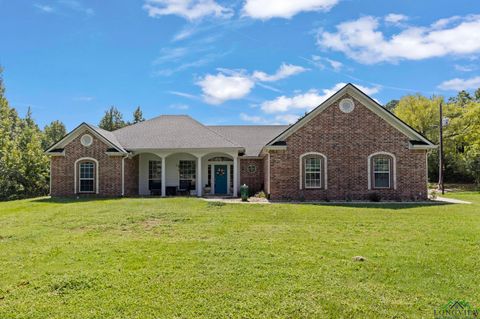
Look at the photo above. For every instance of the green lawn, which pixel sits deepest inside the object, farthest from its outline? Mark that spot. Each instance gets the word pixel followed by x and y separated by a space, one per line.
pixel 186 258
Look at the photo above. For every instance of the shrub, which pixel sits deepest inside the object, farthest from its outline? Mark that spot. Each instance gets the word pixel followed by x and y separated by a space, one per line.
pixel 261 194
pixel 374 197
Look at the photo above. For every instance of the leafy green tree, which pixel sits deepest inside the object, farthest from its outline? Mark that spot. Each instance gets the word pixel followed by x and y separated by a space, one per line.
pixel 138 116
pixel 112 120
pixel 391 105
pixel 421 113
pixel 53 133
pixel 33 173
pixel 461 133
pixel 477 95
pixel 23 166
pixel 9 153
pixel 462 98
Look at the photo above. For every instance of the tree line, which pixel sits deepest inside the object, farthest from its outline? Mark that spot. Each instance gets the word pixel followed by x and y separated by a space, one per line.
pixel 24 168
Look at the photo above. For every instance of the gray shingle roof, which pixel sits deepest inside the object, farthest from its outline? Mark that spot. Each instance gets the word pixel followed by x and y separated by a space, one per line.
pixel 252 137
pixel 171 132
pixel 108 135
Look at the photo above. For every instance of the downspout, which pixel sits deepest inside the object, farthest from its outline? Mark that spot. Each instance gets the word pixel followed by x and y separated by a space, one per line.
pixel 50 183
pixel 123 174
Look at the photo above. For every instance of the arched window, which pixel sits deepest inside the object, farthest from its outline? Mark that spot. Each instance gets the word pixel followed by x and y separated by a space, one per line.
pixel 381 168
pixel 313 171
pixel 86 175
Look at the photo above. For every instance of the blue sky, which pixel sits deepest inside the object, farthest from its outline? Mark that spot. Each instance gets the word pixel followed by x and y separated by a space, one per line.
pixel 229 62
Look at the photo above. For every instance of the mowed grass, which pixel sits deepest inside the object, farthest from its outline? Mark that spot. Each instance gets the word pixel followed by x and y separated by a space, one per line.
pixel 186 258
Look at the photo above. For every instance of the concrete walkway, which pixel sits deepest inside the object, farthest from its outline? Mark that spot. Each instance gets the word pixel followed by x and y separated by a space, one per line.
pixel 450 200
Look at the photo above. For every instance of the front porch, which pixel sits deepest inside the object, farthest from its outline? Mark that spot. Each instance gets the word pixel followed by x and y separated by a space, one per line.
pixel 192 173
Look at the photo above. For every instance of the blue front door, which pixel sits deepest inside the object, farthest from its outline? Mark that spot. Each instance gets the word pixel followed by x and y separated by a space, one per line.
pixel 221 179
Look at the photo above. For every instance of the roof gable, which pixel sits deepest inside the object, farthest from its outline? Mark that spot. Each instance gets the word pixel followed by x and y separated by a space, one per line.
pixel 105 136
pixel 370 104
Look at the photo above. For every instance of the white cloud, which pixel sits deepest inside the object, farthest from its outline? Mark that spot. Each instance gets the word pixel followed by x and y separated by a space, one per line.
pixel 84 98
pixel 267 9
pixel 362 40
pixel 464 68
pixel 321 61
pixel 283 72
pixel 44 8
pixel 188 9
pixel 171 54
pixel 236 84
pixel 308 100
pixel 458 84
pixel 252 118
pixel 179 106
pixel 222 87
pixel 395 18
pixel 184 33
pixel 278 119
pixel 77 6
pixel 286 118
pixel 183 94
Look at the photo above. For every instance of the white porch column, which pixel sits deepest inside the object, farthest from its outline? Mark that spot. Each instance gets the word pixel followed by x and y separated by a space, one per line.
pixel 235 176
pixel 199 176
pixel 163 176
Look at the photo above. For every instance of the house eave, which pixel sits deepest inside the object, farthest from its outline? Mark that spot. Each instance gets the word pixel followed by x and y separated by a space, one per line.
pixel 422 147
pixel 53 154
pixel 275 147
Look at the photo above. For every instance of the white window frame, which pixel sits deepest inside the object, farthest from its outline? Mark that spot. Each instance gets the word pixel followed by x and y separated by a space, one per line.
pixel 393 171
pixel 323 171
pixel 387 171
pixel 80 178
pixel 76 184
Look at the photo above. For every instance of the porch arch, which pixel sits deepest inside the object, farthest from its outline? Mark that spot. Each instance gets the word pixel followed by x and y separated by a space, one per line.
pixel 212 165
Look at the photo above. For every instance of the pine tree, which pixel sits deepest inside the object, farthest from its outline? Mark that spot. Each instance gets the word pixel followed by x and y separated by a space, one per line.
pixel 9 152
pixel 138 116
pixel 53 133
pixel 33 173
pixel 112 120
pixel 23 165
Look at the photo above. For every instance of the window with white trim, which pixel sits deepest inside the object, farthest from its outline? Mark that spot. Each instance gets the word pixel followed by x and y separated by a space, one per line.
pixel 312 165
pixel 87 177
pixel 381 171
pixel 154 175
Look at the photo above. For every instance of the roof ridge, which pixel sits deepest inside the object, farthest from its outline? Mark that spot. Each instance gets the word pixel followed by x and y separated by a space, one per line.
pixel 226 139
pixel 153 118
pixel 249 125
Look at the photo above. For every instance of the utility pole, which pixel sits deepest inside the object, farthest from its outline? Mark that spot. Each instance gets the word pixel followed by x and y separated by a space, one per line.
pixel 440 155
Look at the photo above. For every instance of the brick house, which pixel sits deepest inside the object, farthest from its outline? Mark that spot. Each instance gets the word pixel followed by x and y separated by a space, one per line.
pixel 347 148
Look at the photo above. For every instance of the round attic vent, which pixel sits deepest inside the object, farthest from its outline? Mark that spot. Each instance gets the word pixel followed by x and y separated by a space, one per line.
pixel 86 140
pixel 346 105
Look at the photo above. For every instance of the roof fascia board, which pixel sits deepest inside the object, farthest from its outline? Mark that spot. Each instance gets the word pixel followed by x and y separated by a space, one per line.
pixel 421 147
